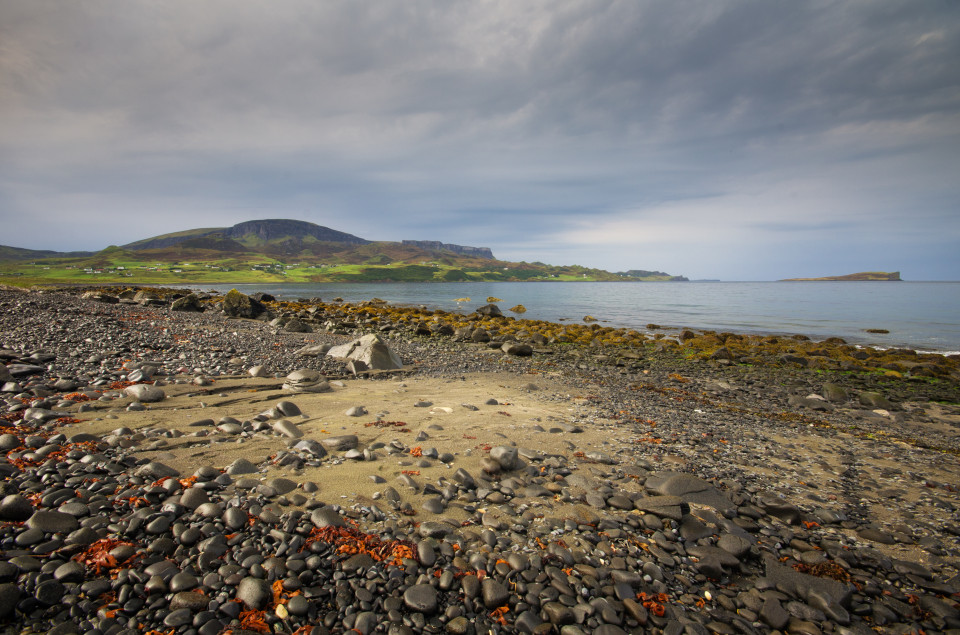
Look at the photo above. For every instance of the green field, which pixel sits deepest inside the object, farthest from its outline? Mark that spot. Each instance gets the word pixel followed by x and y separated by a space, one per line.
pixel 115 265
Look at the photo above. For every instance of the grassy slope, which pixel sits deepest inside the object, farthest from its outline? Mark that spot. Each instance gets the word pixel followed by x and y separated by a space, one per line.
pixel 375 262
pixel 184 234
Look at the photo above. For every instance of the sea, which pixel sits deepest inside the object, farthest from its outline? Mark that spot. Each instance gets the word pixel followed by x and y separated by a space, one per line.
pixel 924 316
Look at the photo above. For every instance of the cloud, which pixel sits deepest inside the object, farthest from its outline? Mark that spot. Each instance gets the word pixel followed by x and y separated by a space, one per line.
pixel 536 128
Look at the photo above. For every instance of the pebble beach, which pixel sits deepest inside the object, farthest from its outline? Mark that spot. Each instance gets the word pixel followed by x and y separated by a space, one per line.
pixel 190 463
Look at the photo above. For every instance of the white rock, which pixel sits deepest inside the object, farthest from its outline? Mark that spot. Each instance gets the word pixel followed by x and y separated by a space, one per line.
pixel 145 393
pixel 371 351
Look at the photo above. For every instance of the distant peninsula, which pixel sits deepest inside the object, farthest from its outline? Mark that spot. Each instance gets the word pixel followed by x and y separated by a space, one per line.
pixel 863 276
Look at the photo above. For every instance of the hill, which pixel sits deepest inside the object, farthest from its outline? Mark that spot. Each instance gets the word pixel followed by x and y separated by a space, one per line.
pixel 18 253
pixel 282 250
pixel 863 276
pixel 251 234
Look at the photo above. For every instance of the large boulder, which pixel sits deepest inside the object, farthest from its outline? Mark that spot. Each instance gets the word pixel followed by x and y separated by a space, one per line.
pixel 489 310
pixel 99 296
pixel 190 303
pixel 145 393
pixel 148 298
pixel 296 325
pixel 239 305
pixel 370 351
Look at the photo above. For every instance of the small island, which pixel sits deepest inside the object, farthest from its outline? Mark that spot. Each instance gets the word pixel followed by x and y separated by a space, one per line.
pixel 863 276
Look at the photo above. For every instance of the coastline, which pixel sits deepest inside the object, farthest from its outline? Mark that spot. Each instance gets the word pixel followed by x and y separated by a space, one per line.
pixel 725 481
pixel 822 311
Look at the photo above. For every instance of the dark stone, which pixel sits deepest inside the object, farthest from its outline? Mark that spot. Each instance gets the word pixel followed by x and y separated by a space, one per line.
pixel 52 522
pixel 495 594
pixel 236 304
pixel 326 517
pixel 255 593
pixel 489 310
pixel 15 508
pixel 49 592
pixel 421 598
pixel 875 535
pixel 517 348
pixel 189 303
pixel 9 596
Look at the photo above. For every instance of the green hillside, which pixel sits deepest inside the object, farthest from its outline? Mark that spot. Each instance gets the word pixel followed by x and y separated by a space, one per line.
pixel 279 250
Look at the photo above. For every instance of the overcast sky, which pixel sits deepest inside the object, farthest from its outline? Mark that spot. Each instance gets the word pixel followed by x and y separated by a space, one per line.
pixel 733 140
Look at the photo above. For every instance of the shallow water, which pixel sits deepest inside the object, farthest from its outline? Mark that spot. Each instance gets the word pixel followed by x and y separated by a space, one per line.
pixel 919 315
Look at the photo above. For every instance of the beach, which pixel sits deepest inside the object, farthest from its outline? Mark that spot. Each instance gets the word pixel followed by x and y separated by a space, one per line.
pixel 213 468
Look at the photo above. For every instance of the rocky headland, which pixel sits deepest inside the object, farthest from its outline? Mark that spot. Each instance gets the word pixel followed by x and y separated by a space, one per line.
pixel 194 463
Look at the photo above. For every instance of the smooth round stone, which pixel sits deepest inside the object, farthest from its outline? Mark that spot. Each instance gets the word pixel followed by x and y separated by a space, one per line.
pixel 15 507
pixel 191 600
pixel 326 517
pixel 230 428
pixel 234 518
pixel 421 598
pixel 241 466
pixel 145 393
pixel 8 442
pixel 426 554
pixel 494 593
pixel 254 592
pixel 7 571
pixel 209 510
pixel 288 408
pixel 183 582
pixel 29 537
pixel 433 505
pixel 49 592
pixel 282 485
pixel 298 605
pixel 25 564
pixel 70 572
pixel 177 618
pixel 287 429
pixel 193 497
pixel 9 596
pixel 158 525
pixel 76 510
pixel 52 522
pixel 557 613
pixel 190 536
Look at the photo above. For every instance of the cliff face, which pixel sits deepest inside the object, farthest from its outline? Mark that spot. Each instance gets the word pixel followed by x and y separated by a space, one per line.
pixel 436 245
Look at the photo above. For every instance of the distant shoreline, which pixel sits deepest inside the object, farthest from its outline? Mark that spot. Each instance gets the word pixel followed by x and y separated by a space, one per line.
pixel 863 276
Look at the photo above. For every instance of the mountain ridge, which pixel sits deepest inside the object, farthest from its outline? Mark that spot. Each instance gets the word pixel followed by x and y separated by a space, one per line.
pixel 285 250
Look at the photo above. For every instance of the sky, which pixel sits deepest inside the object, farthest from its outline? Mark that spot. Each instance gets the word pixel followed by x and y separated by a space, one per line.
pixel 733 140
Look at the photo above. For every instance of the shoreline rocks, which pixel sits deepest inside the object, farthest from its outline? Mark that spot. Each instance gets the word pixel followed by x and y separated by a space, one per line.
pixel 664 495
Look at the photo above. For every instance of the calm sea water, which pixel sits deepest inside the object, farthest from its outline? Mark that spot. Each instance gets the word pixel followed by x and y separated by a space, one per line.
pixel 919 315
